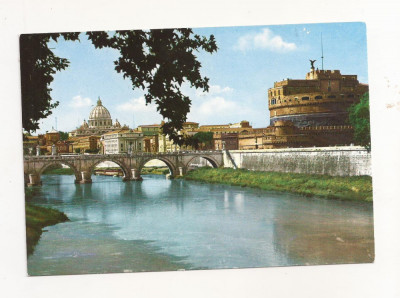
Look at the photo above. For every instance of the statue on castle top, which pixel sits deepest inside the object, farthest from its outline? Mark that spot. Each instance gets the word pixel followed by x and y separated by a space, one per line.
pixel 312 63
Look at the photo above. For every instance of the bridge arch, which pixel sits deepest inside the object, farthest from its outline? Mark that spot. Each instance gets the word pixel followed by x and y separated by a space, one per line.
pixel 59 162
pixel 172 168
pixel 211 160
pixel 125 169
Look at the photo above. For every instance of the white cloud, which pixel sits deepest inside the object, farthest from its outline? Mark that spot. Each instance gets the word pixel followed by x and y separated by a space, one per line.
pixel 214 89
pixel 136 105
pixel 79 102
pixel 219 110
pixel 265 40
pixel 142 113
pixel 216 105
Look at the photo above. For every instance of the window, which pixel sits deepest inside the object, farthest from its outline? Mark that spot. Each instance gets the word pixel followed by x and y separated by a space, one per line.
pixel 318 97
pixel 350 96
pixel 332 96
pixel 305 98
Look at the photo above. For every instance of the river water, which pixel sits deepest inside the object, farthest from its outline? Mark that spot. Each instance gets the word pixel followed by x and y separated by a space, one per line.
pixel 159 224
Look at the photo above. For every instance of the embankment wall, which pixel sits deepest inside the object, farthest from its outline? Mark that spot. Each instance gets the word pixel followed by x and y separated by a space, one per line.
pixel 334 161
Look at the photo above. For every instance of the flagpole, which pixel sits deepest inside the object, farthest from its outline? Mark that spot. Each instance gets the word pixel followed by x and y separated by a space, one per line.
pixel 322 51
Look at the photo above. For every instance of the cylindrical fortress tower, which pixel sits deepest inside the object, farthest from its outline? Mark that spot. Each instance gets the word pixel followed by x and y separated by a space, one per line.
pixel 322 99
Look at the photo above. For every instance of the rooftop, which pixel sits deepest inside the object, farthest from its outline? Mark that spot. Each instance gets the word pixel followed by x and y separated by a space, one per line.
pixel 150 125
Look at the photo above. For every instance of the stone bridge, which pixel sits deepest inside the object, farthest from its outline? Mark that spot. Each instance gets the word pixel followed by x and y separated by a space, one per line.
pixel 131 164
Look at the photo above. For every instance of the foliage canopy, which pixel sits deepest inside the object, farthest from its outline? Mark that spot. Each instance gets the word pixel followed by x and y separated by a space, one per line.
pixel 157 61
pixel 360 120
pixel 63 135
pixel 200 140
pixel 38 65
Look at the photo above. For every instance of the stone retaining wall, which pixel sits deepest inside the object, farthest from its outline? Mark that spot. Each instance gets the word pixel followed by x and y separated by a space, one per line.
pixel 334 161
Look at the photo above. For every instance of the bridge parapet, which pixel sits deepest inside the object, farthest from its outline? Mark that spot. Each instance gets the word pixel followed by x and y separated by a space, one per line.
pixel 121 155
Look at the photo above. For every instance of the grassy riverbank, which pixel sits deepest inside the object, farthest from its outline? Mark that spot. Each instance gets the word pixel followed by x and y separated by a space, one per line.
pixel 36 219
pixel 155 171
pixel 59 171
pixel 356 188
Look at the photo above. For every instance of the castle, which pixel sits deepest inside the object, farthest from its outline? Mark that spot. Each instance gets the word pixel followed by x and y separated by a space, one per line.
pixel 307 113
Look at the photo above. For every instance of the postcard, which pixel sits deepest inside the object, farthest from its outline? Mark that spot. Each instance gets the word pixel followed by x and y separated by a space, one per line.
pixel 196 148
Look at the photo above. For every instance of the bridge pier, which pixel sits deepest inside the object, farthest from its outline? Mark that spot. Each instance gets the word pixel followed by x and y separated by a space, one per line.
pixel 34 180
pixel 181 171
pixel 86 177
pixel 136 175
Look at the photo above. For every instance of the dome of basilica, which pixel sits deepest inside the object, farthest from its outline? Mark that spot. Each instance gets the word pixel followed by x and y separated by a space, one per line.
pixel 99 122
pixel 99 112
pixel 99 116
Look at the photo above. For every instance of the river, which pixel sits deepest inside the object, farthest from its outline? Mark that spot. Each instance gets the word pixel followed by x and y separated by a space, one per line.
pixel 159 224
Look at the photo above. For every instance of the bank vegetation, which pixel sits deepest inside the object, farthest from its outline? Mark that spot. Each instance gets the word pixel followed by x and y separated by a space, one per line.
pixel 355 188
pixel 36 218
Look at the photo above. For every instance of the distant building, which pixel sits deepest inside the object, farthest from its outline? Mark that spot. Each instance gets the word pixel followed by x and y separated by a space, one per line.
pixel 282 134
pixel 322 99
pixel 307 113
pixel 52 136
pixel 228 141
pixel 165 144
pixel 150 136
pixel 122 141
pixel 45 142
pixel 226 128
pixel 190 128
pixel 29 144
pixel 62 147
pixel 85 144
pixel 99 123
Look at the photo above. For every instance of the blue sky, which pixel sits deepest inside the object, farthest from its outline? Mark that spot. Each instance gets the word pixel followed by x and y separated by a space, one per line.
pixel 248 62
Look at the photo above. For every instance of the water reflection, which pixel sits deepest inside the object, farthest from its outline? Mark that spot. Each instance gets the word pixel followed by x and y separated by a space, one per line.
pixel 210 225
